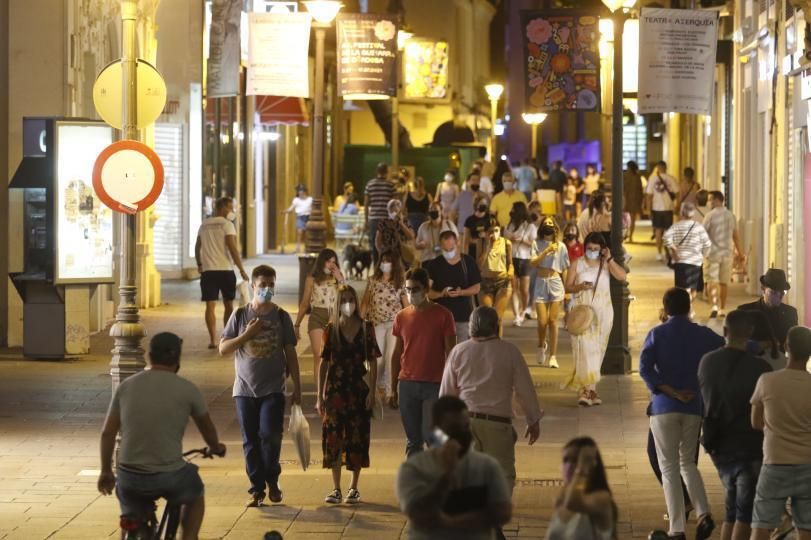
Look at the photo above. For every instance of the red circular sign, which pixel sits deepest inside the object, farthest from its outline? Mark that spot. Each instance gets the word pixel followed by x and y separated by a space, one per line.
pixel 128 176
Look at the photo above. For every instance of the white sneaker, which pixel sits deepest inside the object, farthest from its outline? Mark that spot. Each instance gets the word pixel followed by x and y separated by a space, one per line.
pixel 519 321
pixel 659 257
pixel 553 362
pixel 528 314
pixel 540 356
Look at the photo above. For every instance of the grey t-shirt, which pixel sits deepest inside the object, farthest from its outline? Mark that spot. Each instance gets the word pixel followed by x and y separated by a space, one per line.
pixel 477 483
pixel 154 407
pixel 260 364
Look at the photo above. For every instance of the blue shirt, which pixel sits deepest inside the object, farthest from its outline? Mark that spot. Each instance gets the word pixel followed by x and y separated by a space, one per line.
pixel 670 355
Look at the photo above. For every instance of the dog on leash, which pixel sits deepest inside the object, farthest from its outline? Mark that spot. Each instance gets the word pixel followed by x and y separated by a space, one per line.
pixel 357 261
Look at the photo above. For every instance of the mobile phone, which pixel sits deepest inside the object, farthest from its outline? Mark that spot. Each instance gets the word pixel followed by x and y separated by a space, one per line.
pixel 437 438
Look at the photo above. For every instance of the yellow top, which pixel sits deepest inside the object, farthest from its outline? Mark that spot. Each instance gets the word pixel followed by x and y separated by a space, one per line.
pixel 503 203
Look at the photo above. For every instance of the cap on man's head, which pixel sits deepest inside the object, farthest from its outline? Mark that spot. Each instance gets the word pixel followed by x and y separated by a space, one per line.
pixel 164 348
pixel 447 231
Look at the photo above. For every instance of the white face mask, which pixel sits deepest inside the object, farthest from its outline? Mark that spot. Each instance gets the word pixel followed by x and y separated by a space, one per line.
pixel 393 215
pixel 449 178
pixel 385 267
pixel 416 298
pixel 231 216
pixel 508 186
pixel 592 254
pixel 449 254
pixel 348 308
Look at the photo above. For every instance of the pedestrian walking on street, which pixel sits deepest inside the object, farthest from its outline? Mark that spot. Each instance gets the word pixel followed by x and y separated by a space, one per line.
pixel 447 192
pixel 725 248
pixel 661 193
pixel 382 301
pixel 633 196
pixel 216 252
pixel 504 201
pixel 688 189
pixel 669 366
pixel 552 263
pixel 425 334
pixel 496 268
pixel 525 177
pixel 591 183
pixel 588 281
pixel 522 233
pixel 727 378
pixel 484 372
pixel 416 204
pixel 773 318
pixel 455 281
pixel 344 400
pixel 596 217
pixel 585 508
pixel 318 299
pixel 379 191
pixel 263 341
pixel 466 203
pixel 687 243
pixel 781 408
pixel 453 491
pixel 393 233
pixel 475 228
pixel 302 205
pixel 428 233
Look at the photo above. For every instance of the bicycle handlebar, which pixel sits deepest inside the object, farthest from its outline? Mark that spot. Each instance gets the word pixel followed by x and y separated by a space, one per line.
pixel 205 452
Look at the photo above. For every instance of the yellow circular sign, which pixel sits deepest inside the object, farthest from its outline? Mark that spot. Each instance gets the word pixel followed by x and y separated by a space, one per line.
pixel 150 94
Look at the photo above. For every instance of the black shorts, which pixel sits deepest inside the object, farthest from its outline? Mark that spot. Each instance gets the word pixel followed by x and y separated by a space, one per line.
pixel 214 282
pixel 687 276
pixel 522 267
pixel 662 219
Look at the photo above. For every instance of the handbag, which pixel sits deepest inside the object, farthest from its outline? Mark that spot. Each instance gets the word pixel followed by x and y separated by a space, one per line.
pixel 581 316
pixel 712 427
pixel 670 263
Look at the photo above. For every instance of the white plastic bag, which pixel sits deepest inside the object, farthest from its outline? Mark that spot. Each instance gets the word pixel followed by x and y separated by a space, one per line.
pixel 244 291
pixel 299 430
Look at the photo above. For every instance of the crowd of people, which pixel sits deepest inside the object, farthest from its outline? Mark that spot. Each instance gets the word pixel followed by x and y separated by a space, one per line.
pixel 425 339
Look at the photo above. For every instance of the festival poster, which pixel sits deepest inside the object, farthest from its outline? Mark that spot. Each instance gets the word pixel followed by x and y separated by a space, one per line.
pixel 562 61
pixel 367 56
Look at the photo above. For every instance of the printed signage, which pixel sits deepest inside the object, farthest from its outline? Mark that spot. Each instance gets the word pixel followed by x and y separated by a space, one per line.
pixel 222 72
pixel 278 54
pixel 367 56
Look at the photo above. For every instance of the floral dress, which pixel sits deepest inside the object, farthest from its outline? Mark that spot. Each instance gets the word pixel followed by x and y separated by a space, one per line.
pixel 346 430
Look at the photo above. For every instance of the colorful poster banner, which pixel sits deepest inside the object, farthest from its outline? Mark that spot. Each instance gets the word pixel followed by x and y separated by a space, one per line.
pixel 367 56
pixel 278 54
pixel 677 50
pixel 222 72
pixel 425 64
pixel 562 61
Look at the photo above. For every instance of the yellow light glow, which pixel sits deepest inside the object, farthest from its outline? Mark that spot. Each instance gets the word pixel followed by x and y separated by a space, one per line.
pixel 533 118
pixel 614 5
pixel 630 56
pixel 323 11
pixel 364 97
pixel 402 38
pixel 494 91
pixel 607 29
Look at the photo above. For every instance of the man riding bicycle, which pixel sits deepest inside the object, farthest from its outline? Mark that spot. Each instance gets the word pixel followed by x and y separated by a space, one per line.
pixel 151 409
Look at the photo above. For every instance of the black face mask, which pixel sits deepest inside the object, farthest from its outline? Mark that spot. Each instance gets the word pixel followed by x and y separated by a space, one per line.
pixel 534 217
pixel 433 214
pixel 482 208
pixel 474 187
pixel 570 237
pixel 546 230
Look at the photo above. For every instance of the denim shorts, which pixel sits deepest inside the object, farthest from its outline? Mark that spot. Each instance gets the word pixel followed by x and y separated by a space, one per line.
pixel 776 484
pixel 549 289
pixel 739 479
pixel 137 492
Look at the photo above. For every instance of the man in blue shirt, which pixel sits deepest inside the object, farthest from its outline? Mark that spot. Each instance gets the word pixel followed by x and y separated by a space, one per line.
pixel 669 366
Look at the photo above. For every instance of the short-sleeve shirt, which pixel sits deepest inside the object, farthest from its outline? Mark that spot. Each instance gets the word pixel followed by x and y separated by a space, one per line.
pixel 154 407
pixel 526 232
pixel 428 234
pixel 386 300
pixel 658 186
pixel 720 224
pixel 463 274
pixel 477 484
pixel 214 254
pixel 302 207
pixel 423 334
pixel 260 363
pixel 786 399
pixel 557 261
pixel 477 226
pixel 502 205
pixel 379 191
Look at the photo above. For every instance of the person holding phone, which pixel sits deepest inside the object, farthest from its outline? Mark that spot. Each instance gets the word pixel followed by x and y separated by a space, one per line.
pixel 552 262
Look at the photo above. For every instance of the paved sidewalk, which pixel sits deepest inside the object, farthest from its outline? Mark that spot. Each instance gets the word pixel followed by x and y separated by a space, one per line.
pixel 51 414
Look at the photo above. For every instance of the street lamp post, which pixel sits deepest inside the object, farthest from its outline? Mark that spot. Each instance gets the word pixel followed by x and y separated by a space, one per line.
pixel 618 356
pixel 534 120
pixel 494 91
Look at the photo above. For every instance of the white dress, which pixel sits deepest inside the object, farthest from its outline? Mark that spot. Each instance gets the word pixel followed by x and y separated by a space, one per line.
pixel 589 347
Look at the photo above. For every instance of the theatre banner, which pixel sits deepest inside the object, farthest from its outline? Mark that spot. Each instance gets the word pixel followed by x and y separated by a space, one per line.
pixel 222 71
pixel 677 49
pixel 278 54
pixel 367 56
pixel 561 60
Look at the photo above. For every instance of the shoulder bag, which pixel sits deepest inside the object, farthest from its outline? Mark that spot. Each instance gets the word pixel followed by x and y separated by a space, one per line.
pixel 580 317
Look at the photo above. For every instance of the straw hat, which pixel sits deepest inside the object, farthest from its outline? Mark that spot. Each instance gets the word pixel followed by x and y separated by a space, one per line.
pixel 579 319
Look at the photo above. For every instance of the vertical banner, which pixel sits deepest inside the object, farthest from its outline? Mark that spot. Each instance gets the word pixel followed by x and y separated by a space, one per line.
pixel 222 73
pixel 677 60
pixel 367 56
pixel 562 61
pixel 278 54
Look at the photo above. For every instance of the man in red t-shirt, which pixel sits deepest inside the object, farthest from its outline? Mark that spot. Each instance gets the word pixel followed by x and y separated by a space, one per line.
pixel 425 333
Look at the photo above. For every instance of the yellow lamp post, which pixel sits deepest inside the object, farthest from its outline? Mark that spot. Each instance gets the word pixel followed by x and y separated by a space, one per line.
pixel 494 91
pixel 534 120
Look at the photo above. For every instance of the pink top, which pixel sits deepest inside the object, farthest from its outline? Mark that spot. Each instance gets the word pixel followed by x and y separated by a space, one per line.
pixel 484 374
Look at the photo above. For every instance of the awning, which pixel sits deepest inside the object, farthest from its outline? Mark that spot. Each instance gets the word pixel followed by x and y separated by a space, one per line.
pixel 281 110
pixel 33 172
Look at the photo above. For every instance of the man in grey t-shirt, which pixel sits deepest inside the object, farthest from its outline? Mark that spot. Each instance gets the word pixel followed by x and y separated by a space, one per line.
pixel 263 341
pixel 151 409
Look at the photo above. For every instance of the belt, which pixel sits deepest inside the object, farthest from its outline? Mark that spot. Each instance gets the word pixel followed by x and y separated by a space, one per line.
pixel 490 417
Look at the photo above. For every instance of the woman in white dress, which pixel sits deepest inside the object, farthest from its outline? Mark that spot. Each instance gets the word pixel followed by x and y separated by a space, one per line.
pixel 589 283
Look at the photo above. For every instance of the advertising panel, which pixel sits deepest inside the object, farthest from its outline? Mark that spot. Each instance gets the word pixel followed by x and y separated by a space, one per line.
pixel 278 54
pixel 425 63
pixel 367 56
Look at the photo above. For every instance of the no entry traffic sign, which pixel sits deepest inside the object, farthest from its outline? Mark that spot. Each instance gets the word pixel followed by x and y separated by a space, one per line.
pixel 128 176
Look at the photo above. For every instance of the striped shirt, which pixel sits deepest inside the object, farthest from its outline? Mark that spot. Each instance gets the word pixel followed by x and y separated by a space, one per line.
pixel 720 224
pixel 379 191
pixel 691 245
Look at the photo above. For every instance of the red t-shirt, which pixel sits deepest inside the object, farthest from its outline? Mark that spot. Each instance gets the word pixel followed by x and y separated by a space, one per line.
pixel 423 334
pixel 575 251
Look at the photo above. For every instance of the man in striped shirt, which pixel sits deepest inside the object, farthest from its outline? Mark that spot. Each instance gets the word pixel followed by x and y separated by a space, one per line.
pixel 721 227
pixel 379 191
pixel 688 244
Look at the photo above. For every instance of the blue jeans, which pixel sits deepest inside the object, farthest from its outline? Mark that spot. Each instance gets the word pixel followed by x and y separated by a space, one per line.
pixel 262 423
pixel 739 478
pixel 416 401
pixel 777 483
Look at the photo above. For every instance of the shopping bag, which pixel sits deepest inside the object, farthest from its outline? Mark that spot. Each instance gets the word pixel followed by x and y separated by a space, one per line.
pixel 299 430
pixel 244 290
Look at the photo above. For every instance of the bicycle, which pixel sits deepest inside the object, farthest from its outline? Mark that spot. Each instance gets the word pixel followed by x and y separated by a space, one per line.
pixel 148 527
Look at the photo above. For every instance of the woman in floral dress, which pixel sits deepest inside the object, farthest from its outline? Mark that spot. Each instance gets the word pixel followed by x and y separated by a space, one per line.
pixel 345 401
pixel 383 299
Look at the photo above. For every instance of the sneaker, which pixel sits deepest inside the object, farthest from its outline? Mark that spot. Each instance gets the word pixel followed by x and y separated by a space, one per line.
pixel 714 312
pixel 594 398
pixel 659 257
pixel 705 527
pixel 352 496
pixel 275 494
pixel 722 313
pixel 540 356
pixel 519 321
pixel 553 362
pixel 255 501
pixel 583 399
pixel 528 314
pixel 334 497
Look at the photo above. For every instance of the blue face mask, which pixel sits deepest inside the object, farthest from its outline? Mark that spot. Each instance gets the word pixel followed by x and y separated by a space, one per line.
pixel 264 294
pixel 592 255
